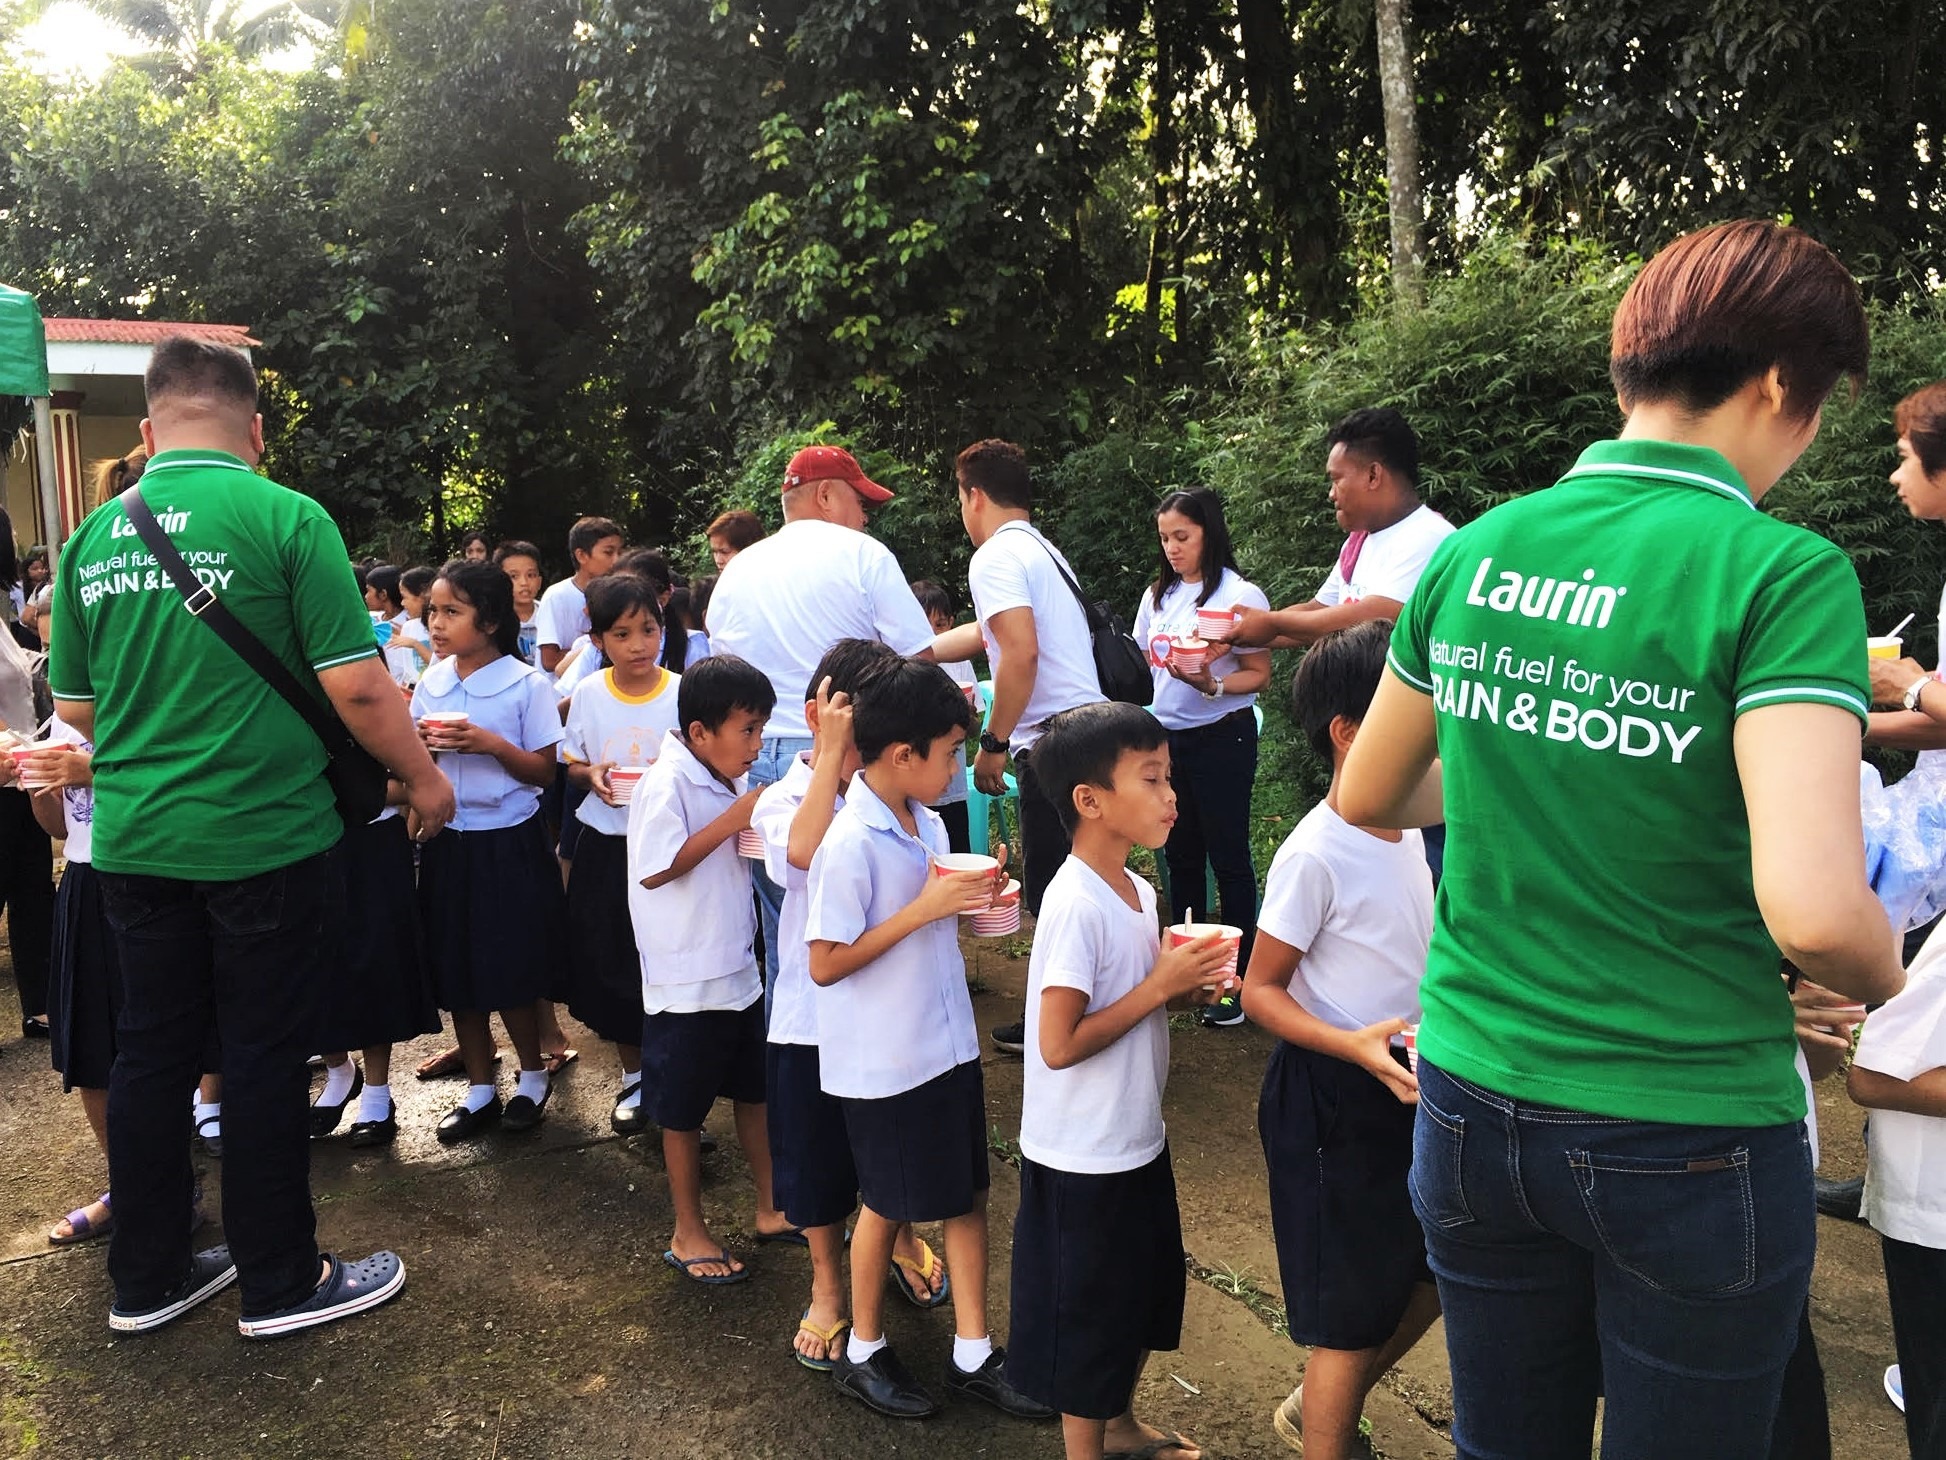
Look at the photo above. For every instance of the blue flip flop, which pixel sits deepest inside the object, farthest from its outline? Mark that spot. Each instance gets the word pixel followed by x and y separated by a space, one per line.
pixel 686 1266
pixel 789 1237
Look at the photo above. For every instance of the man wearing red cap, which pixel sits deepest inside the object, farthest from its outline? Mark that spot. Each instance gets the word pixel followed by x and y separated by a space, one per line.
pixel 783 602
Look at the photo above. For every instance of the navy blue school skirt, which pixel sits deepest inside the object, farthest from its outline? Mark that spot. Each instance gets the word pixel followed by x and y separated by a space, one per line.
pixel 602 980
pixel 379 989
pixel 494 915
pixel 85 995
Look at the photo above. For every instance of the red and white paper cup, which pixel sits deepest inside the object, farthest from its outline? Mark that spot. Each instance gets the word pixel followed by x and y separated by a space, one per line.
pixel 951 862
pixel 1188 655
pixel 750 843
pixel 20 753
pixel 1002 920
pixel 1411 1037
pixel 623 779
pixel 444 720
pixel 1216 624
pixel 1232 938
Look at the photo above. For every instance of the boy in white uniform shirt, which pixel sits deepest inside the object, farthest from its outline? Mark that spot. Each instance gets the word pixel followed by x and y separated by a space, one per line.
pixel 1097 1267
pixel 896 1043
pixel 1341 948
pixel 1899 1073
pixel 695 926
pixel 561 617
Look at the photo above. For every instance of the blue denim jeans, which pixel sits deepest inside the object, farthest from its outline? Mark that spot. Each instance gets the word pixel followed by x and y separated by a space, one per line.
pixel 773 762
pixel 1662 1267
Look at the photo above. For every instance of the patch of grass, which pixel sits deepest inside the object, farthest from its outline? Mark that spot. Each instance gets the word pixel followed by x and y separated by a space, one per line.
pixel 1184 1021
pixel 1004 1146
pixel 1017 947
pixel 1239 1283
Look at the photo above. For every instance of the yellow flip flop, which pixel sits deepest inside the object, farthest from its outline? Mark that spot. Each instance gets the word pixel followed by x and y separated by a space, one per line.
pixel 922 1271
pixel 825 1336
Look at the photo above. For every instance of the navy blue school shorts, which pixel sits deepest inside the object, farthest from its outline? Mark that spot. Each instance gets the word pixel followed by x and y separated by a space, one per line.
pixel 810 1155
pixel 922 1154
pixel 1097 1281
pixel 1349 1248
pixel 689 1061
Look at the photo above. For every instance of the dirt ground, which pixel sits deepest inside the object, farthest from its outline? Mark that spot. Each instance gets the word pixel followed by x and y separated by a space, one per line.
pixel 540 1321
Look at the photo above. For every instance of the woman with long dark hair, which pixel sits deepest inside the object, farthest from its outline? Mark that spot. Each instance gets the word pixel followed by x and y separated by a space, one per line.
pixel 1207 703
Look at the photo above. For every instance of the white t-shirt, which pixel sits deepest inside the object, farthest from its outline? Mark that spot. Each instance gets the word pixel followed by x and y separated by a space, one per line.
pixel 580 660
pixel 606 725
pixel 697 934
pixel 1177 705
pixel 783 602
pixel 1105 1113
pixel 1905 1166
pixel 905 1017
pixel 1015 568
pixel 77 802
pixel 405 665
pixel 1360 910
pixel 562 614
pixel 793 1001
pixel 1391 561
pixel 509 698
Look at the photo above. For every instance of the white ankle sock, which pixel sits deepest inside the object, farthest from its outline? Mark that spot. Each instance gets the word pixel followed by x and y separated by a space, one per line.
pixel 633 1099
pixel 532 1084
pixel 478 1097
pixel 970 1353
pixel 211 1111
pixel 374 1102
pixel 859 1349
pixel 337 1083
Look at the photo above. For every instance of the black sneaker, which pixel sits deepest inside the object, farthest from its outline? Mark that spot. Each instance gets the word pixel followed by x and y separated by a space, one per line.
pixel 1011 1038
pixel 209 1273
pixel 1224 1013
pixel 884 1384
pixel 989 1382
pixel 349 1288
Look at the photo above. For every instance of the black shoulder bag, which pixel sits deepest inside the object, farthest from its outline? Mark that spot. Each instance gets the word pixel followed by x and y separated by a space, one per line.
pixel 1121 668
pixel 357 779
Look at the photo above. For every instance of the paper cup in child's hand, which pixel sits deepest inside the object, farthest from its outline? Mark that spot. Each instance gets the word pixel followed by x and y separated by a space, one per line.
pixel 1001 920
pixel 1188 655
pixel 444 722
pixel 622 780
pixel 1216 624
pixel 1232 938
pixel 750 843
pixel 1411 1037
pixel 952 862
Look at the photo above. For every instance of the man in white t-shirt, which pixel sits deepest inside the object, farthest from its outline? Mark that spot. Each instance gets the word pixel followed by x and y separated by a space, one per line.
pixel 783 602
pixel 1373 466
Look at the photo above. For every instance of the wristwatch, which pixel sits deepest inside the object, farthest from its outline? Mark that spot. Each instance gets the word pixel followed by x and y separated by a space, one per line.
pixel 1216 680
pixel 992 744
pixel 1915 690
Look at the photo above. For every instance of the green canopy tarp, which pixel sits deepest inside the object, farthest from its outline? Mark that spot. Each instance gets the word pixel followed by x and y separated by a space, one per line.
pixel 23 344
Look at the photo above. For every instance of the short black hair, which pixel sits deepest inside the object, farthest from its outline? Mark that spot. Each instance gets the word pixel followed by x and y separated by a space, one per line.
pixel 615 595
pixel 718 687
pixel 467 539
pixel 649 563
pixel 384 579
pixel 907 703
pixel 587 532
pixel 420 580
pixel 850 663
pixel 1338 676
pixel 1383 435
pixel 1082 746
pixel 185 366
pixel 490 591
pixel 516 549
pixel 933 599
pixel 998 468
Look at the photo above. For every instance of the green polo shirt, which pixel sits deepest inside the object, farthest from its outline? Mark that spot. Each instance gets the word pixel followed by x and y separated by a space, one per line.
pixel 201 770
pixel 1588 648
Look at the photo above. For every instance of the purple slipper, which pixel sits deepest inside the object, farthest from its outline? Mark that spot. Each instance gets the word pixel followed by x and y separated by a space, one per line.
pixel 80 1229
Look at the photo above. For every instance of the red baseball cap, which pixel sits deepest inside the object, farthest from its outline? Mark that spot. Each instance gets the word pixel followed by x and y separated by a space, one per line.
pixel 832 464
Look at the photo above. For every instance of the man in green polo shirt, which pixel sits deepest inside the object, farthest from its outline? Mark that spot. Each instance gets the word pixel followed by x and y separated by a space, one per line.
pixel 214 831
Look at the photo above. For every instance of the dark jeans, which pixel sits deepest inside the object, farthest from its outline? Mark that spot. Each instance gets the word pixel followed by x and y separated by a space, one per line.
pixel 1043 840
pixel 27 889
pixel 1915 1285
pixel 246 959
pixel 1803 1428
pixel 1577 1255
pixel 959 826
pixel 1212 769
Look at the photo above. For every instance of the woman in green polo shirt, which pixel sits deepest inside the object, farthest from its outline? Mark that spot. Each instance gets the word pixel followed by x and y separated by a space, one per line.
pixel 1638 700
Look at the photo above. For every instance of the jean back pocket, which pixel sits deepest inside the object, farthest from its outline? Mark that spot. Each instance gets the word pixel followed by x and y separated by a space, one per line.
pixel 1680 1224
pixel 1438 1179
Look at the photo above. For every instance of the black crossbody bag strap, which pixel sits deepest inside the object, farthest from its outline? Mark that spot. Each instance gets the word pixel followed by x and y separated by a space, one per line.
pixel 1087 608
pixel 204 605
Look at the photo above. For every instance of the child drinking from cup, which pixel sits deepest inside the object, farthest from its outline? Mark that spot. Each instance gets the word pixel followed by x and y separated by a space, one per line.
pixel 1098 1280
pixel 695 920
pixel 617 721
pixel 1341 947
pixel 896 1042
pixel 491 721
